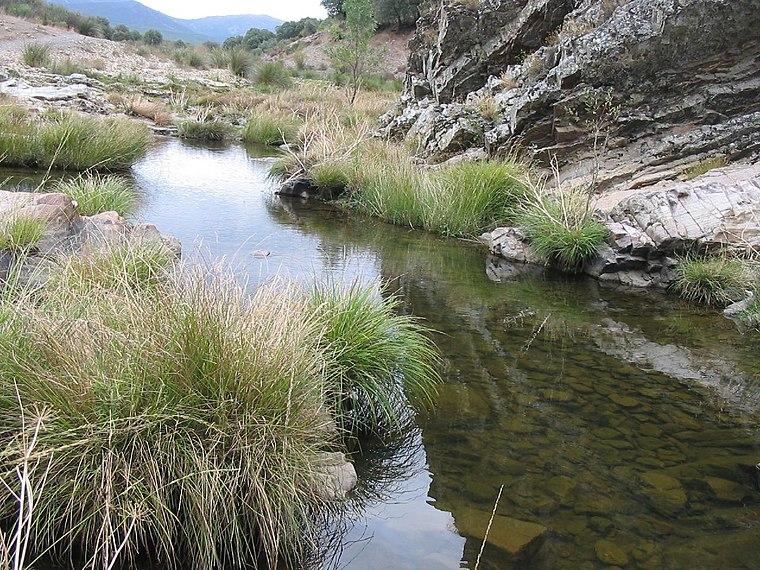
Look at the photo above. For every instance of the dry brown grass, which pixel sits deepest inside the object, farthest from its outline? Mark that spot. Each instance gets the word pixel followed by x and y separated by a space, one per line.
pixel 157 112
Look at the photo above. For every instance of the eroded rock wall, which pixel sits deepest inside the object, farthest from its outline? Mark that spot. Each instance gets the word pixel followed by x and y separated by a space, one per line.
pixel 654 86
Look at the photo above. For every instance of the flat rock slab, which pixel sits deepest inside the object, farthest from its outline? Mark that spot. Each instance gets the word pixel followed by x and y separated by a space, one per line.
pixel 510 535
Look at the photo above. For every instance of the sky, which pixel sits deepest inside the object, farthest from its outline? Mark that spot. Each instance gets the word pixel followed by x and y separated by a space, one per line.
pixel 282 9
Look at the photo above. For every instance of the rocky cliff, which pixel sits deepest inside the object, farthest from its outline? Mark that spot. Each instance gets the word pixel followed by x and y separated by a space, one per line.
pixel 660 84
pixel 634 99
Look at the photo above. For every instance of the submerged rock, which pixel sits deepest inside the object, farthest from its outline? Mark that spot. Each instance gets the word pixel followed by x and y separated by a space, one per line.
pixel 610 553
pixel 727 491
pixel 664 493
pixel 338 477
pixel 513 536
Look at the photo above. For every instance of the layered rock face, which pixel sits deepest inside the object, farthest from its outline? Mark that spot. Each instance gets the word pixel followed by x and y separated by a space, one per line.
pixel 629 97
pixel 660 84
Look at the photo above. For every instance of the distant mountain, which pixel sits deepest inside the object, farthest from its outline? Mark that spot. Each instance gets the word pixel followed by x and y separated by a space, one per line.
pixel 139 17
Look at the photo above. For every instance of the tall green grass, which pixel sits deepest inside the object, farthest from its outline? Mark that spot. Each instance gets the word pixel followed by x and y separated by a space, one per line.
pixel 715 280
pixel 460 200
pixel 561 226
pixel 70 141
pixel 168 409
pixel 95 193
pixel 239 62
pixel 210 131
pixel 36 55
pixel 270 130
pixel 377 359
pixel 19 232
pixel 272 73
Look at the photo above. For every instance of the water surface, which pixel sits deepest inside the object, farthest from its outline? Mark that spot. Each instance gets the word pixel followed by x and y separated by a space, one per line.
pixel 621 425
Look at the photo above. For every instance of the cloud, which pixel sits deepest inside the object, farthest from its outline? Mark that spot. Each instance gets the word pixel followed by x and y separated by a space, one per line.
pixel 284 9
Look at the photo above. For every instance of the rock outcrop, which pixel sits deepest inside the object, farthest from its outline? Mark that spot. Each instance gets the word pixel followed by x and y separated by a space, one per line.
pixel 66 232
pixel 649 229
pixel 658 84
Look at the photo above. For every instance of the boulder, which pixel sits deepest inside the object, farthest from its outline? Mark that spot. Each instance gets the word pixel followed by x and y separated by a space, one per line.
pixel 610 553
pixel 664 493
pixel 337 477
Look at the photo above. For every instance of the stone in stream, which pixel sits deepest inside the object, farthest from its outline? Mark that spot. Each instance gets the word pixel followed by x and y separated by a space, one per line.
pixel 338 477
pixel 610 553
pixel 664 493
pixel 510 535
pixel 727 491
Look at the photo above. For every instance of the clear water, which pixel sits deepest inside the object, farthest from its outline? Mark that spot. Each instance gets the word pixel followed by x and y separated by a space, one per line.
pixel 624 423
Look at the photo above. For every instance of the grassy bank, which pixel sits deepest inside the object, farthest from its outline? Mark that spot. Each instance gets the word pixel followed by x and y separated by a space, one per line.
pixel 146 406
pixel 69 141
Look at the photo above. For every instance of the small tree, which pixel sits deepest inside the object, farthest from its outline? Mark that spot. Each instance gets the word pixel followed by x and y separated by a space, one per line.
pixel 153 37
pixel 353 54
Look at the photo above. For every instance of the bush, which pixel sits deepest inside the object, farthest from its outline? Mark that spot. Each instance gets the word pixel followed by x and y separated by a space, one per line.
pixel 270 130
pixel 70 141
pixel 153 38
pixel 205 130
pixel 19 233
pixel 561 226
pixel 272 73
pixel 219 57
pixel 376 357
pixel 94 194
pixel 239 61
pixel 712 281
pixel 36 55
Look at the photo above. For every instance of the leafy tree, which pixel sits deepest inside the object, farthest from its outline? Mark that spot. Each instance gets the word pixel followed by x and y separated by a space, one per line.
pixel 297 29
pixel 255 37
pixel 334 8
pixel 121 33
pixel 353 54
pixel 153 37
pixel 400 13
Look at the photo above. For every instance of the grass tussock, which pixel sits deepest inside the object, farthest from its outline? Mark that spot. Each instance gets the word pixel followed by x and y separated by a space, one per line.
pixel 270 130
pixel 369 347
pixel 36 55
pixel 561 225
pixel 210 131
pixel 272 73
pixel 95 194
pixel 20 233
pixel 717 280
pixel 239 62
pixel 168 407
pixel 69 141
pixel 156 112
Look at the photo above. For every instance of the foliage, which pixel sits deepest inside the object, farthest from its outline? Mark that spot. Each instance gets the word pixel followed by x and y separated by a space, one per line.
pixel 153 38
pixel 376 357
pixel 270 130
pixel 19 232
pixel 95 194
pixel 705 166
pixel 297 29
pixel 36 55
pixel 561 226
pixel 205 130
pixel 711 280
pixel 353 55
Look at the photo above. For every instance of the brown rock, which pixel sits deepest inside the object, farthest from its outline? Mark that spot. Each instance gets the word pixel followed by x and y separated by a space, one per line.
pixel 511 535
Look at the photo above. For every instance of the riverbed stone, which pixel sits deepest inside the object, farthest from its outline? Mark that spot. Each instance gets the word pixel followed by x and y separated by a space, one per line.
pixel 337 478
pixel 513 536
pixel 664 493
pixel 625 401
pixel 610 553
pixel 726 491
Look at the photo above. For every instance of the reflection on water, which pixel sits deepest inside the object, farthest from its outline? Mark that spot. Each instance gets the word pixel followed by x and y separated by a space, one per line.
pixel 622 425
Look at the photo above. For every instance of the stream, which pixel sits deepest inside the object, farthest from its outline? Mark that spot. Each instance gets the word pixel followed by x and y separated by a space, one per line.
pixel 617 427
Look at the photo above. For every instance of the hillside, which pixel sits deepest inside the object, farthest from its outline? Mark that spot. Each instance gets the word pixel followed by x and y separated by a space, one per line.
pixel 140 17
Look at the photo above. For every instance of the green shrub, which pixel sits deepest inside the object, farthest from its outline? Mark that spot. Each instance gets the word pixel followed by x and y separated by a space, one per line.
pixel 270 130
pixel 205 130
pixel 36 55
pixel 219 58
pixel 20 232
pixel 272 73
pixel 561 227
pixel 376 357
pixel 712 281
pixel 21 10
pixel 95 194
pixel 239 61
